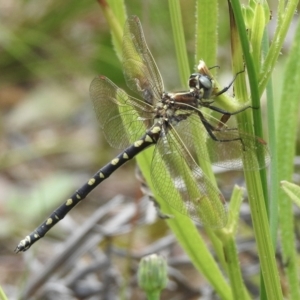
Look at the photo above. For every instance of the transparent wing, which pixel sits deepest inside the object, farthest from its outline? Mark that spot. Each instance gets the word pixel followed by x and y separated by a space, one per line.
pixel 229 151
pixel 123 118
pixel 182 183
pixel 140 70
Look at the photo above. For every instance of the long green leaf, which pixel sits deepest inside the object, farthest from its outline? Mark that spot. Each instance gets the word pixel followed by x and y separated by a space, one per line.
pixel 292 190
pixel 287 126
pixel 286 15
pixel 253 179
pixel 206 31
pixel 179 40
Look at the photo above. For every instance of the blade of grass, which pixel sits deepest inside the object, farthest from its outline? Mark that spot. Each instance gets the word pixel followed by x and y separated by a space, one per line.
pixel 292 190
pixel 115 21
pixel 206 31
pixel 179 40
pixel 273 191
pixel 253 179
pixel 257 31
pixel 2 294
pixel 285 17
pixel 227 235
pixel 287 135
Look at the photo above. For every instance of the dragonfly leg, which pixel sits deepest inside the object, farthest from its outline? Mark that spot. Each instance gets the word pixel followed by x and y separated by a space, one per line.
pixel 226 88
pixel 211 129
pixel 226 114
pixel 222 121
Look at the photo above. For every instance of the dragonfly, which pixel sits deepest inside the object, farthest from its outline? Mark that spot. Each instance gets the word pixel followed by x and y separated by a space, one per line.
pixel 172 122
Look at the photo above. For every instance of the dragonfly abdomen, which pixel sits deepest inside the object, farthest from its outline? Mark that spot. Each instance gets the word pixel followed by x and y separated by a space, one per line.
pixel 149 138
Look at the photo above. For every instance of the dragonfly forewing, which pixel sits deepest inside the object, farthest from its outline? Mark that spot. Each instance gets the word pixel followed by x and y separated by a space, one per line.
pixel 121 117
pixel 140 70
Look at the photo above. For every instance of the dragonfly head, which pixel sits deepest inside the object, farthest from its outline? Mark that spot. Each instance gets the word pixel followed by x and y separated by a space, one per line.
pixel 201 85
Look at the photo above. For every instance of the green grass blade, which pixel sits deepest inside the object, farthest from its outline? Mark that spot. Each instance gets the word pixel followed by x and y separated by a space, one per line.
pixel 179 40
pixel 206 31
pixel 287 135
pixel 257 31
pixel 2 295
pixel 273 191
pixel 292 190
pixel 285 18
pixel 227 235
pixel 115 17
pixel 253 179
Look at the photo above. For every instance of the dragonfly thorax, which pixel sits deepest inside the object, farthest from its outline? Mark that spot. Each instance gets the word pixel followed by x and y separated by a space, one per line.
pixel 175 107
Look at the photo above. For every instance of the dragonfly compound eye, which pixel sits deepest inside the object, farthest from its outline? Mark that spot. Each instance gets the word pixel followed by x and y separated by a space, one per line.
pixel 206 84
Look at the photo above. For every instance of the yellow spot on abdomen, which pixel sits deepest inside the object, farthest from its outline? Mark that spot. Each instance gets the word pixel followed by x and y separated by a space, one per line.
pixel 101 175
pixel 138 143
pixel 125 155
pixel 155 129
pixel 148 139
pixel 69 202
pixel 49 221
pixel 114 161
pixel 91 181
